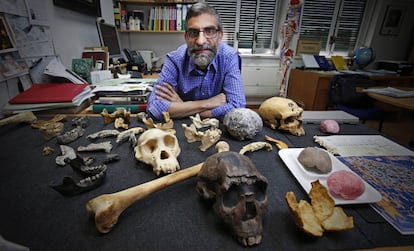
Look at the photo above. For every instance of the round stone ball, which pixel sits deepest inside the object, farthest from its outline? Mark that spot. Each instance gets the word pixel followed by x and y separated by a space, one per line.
pixel 242 123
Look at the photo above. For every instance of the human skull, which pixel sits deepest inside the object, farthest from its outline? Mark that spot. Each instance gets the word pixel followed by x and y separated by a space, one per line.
pixel 159 149
pixel 238 191
pixel 283 114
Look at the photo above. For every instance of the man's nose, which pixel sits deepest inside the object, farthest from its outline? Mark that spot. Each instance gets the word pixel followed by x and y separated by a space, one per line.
pixel 201 38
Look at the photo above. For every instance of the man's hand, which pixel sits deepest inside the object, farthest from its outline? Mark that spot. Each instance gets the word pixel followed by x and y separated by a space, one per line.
pixel 166 92
pixel 180 109
pixel 217 100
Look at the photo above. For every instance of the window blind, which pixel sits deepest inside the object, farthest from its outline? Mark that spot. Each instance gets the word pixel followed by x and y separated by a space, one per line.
pixel 335 23
pixel 249 24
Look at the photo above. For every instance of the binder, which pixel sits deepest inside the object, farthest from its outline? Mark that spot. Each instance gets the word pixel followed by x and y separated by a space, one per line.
pixel 339 63
pixel 50 93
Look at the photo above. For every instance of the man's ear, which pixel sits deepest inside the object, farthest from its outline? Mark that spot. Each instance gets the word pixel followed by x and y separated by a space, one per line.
pixel 220 35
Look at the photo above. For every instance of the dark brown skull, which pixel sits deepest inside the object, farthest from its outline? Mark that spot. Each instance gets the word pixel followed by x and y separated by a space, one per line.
pixel 239 192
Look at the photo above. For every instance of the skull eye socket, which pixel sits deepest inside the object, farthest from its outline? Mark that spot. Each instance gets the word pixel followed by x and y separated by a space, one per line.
pixel 233 195
pixel 169 141
pixel 289 120
pixel 150 146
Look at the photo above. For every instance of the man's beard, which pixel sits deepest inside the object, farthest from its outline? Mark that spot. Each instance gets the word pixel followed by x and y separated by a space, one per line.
pixel 202 60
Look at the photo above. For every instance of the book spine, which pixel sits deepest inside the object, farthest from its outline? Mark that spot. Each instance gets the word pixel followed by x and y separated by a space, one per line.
pixel 122 100
pixel 179 17
pixel 183 15
pixel 134 108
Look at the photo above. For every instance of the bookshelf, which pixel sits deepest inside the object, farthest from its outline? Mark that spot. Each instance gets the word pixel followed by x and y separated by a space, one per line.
pixel 154 16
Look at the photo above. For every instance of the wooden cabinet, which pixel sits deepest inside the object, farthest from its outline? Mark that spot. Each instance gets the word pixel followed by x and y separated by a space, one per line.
pixel 311 87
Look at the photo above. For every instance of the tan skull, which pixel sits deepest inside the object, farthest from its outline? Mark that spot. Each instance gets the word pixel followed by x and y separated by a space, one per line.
pixel 283 114
pixel 159 149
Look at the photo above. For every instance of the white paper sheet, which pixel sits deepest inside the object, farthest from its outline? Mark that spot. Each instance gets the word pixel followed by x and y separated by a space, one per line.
pixel 362 145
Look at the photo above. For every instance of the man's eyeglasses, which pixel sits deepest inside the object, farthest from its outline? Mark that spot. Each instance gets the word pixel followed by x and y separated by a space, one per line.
pixel 209 32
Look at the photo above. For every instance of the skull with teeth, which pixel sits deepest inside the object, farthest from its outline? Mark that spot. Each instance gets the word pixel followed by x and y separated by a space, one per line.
pixel 159 149
pixel 239 194
pixel 283 114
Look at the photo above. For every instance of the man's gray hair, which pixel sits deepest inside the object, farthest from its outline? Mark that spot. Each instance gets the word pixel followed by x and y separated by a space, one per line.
pixel 203 8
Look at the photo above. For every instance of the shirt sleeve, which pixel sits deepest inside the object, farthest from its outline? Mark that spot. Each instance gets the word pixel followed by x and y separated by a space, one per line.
pixel 232 87
pixel 156 107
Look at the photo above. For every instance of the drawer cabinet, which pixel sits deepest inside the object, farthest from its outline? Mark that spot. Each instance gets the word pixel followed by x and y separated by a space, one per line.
pixel 260 80
pixel 309 87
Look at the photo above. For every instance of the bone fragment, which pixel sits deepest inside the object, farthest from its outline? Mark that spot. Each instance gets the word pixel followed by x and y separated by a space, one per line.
pixel 191 133
pixel 168 124
pixel 222 146
pixel 51 130
pixel 67 153
pixel 120 123
pixel 70 136
pixel 82 121
pixel 280 144
pixel 41 123
pixel 102 146
pixel 255 146
pixel 103 134
pixel 126 134
pixel 207 122
pixel 120 112
pixel 47 150
pixel 210 137
pixel 24 117
pixel 106 208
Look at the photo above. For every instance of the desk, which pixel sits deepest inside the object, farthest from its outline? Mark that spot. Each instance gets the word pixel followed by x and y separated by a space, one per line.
pixel 36 216
pixel 312 87
pixel 405 103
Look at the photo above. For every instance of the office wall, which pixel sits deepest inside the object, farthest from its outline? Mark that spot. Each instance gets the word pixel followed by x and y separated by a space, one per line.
pixel 72 31
pixel 393 47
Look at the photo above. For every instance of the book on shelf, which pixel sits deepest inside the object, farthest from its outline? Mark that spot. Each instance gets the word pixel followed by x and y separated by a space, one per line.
pixel 53 93
pixel 183 15
pixel 134 108
pixel 178 16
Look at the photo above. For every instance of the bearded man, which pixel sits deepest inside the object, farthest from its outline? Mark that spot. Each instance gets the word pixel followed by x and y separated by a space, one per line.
pixel 202 76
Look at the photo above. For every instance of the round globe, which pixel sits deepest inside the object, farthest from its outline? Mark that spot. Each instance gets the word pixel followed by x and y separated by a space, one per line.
pixel 242 123
pixel 364 56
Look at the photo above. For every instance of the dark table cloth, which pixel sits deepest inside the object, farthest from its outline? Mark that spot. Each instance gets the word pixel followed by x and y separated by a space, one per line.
pixel 34 215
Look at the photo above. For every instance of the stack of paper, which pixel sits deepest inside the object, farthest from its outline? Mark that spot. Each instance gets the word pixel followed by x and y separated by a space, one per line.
pixel 50 96
pixel 391 91
pixel 127 93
